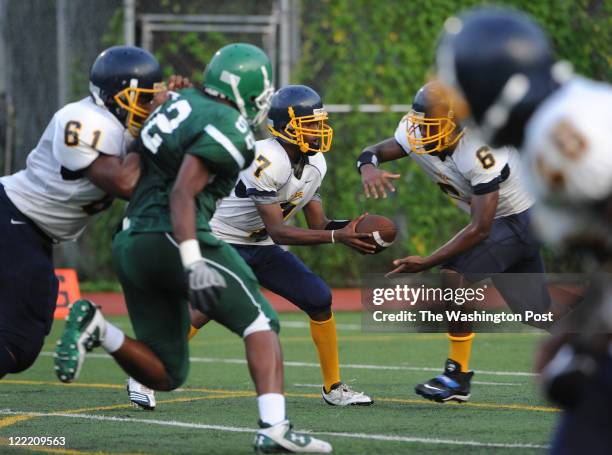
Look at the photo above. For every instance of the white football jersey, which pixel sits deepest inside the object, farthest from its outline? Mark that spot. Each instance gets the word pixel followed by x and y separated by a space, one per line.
pixel 472 169
pixel 52 190
pixel 270 178
pixel 568 156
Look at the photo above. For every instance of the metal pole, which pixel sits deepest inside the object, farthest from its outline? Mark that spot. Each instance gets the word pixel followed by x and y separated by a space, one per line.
pixel 296 45
pixel 129 22
pixel 285 44
pixel 9 138
pixel 62 54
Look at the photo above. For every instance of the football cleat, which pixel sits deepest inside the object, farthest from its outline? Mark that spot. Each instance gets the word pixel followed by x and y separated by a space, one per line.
pixel 281 438
pixel 85 328
pixel 141 396
pixel 341 394
pixel 450 385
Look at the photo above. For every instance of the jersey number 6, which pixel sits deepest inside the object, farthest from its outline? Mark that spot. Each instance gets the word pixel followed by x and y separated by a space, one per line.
pixel 486 157
pixel 72 131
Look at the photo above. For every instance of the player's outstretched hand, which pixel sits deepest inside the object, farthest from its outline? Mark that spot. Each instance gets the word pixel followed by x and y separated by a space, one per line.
pixel 376 181
pixel 205 285
pixel 356 240
pixel 409 264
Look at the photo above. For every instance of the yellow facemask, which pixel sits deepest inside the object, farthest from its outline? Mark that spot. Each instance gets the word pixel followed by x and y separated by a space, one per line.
pixel 431 135
pixel 298 127
pixel 129 98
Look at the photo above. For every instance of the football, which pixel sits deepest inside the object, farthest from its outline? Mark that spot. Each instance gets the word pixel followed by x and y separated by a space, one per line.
pixel 382 229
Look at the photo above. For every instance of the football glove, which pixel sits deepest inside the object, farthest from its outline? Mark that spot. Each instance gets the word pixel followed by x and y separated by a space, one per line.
pixel 204 286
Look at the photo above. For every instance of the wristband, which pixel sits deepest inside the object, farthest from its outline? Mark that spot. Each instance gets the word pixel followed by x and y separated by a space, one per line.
pixel 367 158
pixel 332 236
pixel 336 224
pixel 190 252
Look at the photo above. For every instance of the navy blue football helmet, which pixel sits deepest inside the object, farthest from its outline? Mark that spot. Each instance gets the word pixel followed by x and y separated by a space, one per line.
pixel 501 62
pixel 297 116
pixel 123 79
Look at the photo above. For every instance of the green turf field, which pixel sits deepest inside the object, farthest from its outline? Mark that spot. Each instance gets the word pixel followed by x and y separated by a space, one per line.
pixel 215 412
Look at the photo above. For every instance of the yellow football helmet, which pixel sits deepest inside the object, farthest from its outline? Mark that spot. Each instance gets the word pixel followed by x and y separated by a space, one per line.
pixel 432 121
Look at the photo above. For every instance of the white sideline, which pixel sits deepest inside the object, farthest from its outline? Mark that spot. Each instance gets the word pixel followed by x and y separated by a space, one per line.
pixel 345 365
pixel 199 426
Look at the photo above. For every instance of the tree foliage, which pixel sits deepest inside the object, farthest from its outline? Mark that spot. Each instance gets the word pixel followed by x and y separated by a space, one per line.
pixel 380 52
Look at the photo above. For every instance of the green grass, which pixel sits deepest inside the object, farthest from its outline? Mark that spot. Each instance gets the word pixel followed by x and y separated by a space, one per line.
pixel 508 413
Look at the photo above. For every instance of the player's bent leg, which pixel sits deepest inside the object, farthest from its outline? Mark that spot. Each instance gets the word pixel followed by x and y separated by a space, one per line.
pixel 286 275
pixel 244 310
pixel 86 327
pixel 455 381
pixel 276 433
pixel 8 362
pixel 28 288
pixel 19 352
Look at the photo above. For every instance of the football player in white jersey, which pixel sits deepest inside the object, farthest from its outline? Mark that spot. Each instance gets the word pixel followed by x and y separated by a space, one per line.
pixel 283 179
pixel 561 123
pixel 74 172
pixel 489 187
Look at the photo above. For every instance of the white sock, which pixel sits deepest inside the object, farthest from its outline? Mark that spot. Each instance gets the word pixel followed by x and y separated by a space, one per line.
pixel 113 338
pixel 271 408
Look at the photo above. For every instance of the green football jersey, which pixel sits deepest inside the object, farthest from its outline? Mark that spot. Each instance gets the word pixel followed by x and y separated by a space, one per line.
pixel 189 122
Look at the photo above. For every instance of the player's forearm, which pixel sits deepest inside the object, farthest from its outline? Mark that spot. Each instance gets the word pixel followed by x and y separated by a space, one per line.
pixel 290 235
pixel 468 237
pixel 387 150
pixel 130 173
pixel 183 215
pixel 115 176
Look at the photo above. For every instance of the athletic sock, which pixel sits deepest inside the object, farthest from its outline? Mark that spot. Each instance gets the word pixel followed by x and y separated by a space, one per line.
pixel 113 338
pixel 192 332
pixel 271 408
pixel 325 339
pixel 460 350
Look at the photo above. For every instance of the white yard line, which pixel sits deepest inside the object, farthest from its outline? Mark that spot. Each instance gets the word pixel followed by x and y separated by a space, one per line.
pixel 509 384
pixel 316 365
pixel 364 436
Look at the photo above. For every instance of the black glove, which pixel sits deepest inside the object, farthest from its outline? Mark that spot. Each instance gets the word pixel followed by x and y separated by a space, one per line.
pixel 204 286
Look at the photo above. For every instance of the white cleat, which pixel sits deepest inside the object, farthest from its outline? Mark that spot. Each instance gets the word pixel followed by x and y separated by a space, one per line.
pixel 141 396
pixel 341 394
pixel 281 438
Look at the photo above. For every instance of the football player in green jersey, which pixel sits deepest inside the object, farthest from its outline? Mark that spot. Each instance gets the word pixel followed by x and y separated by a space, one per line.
pixel 192 149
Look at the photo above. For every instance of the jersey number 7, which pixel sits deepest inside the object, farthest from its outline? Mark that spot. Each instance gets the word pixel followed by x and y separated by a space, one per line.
pixel 263 163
